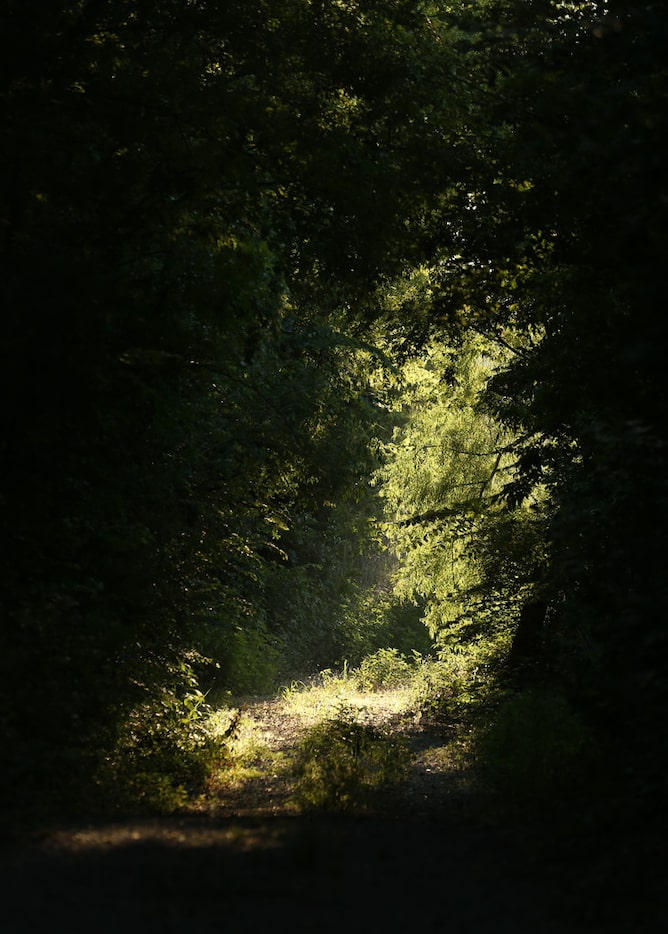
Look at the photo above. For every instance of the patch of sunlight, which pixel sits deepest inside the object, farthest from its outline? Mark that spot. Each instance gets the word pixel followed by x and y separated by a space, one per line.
pixel 313 703
pixel 106 837
pixel 248 753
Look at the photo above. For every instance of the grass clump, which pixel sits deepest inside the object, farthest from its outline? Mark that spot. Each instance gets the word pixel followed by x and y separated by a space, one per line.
pixel 341 761
pixel 383 670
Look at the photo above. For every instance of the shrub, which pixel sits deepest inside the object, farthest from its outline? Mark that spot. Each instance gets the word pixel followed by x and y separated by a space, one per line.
pixel 386 668
pixel 165 753
pixel 455 681
pixel 341 761
pixel 535 748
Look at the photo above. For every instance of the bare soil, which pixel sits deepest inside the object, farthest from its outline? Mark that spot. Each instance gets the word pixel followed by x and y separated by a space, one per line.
pixel 424 857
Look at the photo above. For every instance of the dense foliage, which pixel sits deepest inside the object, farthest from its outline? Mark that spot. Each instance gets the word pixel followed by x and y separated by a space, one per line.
pixel 193 196
pixel 570 241
pixel 254 255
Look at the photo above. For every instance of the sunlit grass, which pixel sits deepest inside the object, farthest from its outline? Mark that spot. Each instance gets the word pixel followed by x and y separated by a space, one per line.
pixel 301 736
pixel 320 700
pixel 382 687
pixel 342 761
pixel 249 754
pixel 439 727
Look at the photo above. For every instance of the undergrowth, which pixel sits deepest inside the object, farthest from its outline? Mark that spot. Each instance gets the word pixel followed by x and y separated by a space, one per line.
pixel 165 754
pixel 528 748
pixel 340 762
pixel 348 751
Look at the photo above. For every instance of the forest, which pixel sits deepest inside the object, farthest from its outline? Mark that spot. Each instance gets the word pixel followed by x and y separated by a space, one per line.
pixel 333 333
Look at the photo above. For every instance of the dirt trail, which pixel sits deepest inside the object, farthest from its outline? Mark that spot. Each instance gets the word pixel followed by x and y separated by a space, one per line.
pixel 435 783
pixel 419 863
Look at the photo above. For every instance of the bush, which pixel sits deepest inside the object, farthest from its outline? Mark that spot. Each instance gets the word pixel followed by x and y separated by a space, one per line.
pixel 165 754
pixel 341 761
pixel 458 680
pixel 386 668
pixel 535 749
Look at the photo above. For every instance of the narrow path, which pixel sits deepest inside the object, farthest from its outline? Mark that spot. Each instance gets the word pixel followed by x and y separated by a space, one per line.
pixel 419 864
pixel 435 783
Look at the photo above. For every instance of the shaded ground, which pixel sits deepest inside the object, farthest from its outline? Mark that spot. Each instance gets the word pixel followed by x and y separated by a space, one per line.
pixel 421 861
